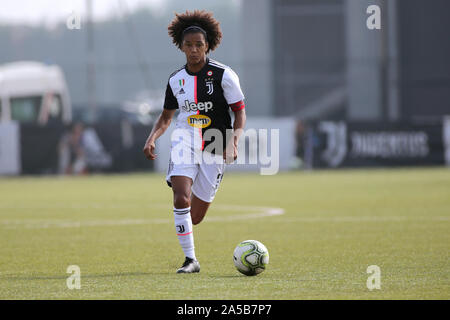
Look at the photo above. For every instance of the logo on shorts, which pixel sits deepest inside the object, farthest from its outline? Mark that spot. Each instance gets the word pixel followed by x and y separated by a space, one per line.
pixel 218 180
pixel 199 121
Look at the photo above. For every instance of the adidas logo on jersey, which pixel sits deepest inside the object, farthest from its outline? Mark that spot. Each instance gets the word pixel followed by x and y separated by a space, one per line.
pixel 202 106
pixel 181 91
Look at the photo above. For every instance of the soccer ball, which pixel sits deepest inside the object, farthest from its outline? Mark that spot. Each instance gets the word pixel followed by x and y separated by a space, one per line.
pixel 250 257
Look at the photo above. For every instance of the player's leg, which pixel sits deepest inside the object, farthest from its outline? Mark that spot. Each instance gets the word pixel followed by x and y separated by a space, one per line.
pixel 198 209
pixel 204 188
pixel 181 186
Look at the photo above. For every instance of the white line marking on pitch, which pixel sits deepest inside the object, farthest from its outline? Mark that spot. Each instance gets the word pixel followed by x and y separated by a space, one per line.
pixel 261 212
pixel 366 218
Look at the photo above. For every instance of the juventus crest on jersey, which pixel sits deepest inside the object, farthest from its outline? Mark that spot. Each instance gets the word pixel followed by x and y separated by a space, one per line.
pixel 204 99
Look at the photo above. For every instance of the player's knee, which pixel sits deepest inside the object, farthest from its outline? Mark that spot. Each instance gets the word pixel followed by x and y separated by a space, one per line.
pixel 182 201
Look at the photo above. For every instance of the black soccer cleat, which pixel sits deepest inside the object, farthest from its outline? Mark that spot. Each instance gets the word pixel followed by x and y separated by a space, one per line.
pixel 189 266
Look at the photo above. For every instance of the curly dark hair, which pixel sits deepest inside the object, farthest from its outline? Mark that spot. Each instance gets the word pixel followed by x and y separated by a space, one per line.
pixel 200 18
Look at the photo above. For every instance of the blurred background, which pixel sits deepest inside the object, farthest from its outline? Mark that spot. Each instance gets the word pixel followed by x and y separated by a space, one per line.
pixel 349 83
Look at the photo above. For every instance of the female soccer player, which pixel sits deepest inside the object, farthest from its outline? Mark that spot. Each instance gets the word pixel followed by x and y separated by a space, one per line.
pixel 203 90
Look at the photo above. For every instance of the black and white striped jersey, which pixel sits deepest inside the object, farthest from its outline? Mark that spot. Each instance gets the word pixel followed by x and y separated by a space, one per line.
pixel 204 99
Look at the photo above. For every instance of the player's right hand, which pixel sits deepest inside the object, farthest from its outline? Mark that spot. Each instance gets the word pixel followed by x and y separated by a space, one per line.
pixel 149 150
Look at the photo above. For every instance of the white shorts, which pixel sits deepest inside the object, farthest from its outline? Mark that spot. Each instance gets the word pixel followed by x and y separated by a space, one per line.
pixel 206 176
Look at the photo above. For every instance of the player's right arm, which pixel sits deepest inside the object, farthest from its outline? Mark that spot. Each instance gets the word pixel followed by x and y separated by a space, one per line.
pixel 159 128
pixel 169 108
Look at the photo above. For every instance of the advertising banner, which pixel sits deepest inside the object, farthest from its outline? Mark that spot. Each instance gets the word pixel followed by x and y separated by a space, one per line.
pixel 341 144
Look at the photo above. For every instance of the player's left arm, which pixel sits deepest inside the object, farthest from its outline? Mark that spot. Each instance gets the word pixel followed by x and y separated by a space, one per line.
pixel 234 96
pixel 238 125
pixel 231 152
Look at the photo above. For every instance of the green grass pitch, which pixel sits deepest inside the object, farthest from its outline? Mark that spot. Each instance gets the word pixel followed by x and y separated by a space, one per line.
pixel 322 229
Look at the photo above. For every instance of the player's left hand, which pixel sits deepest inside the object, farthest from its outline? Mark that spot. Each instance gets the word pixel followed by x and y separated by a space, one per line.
pixel 230 154
pixel 149 150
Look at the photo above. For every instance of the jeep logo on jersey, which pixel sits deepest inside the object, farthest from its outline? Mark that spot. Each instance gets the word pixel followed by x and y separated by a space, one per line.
pixel 199 121
pixel 202 106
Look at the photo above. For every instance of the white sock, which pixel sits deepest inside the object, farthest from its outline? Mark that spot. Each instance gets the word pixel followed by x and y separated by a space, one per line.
pixel 184 230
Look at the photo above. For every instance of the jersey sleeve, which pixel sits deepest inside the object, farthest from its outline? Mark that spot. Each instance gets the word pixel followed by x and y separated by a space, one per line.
pixel 170 102
pixel 231 87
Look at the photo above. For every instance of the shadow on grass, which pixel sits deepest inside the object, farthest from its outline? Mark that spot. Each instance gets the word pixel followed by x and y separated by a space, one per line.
pixel 234 276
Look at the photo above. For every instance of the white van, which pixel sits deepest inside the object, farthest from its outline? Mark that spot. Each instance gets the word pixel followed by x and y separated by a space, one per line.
pixel 32 92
